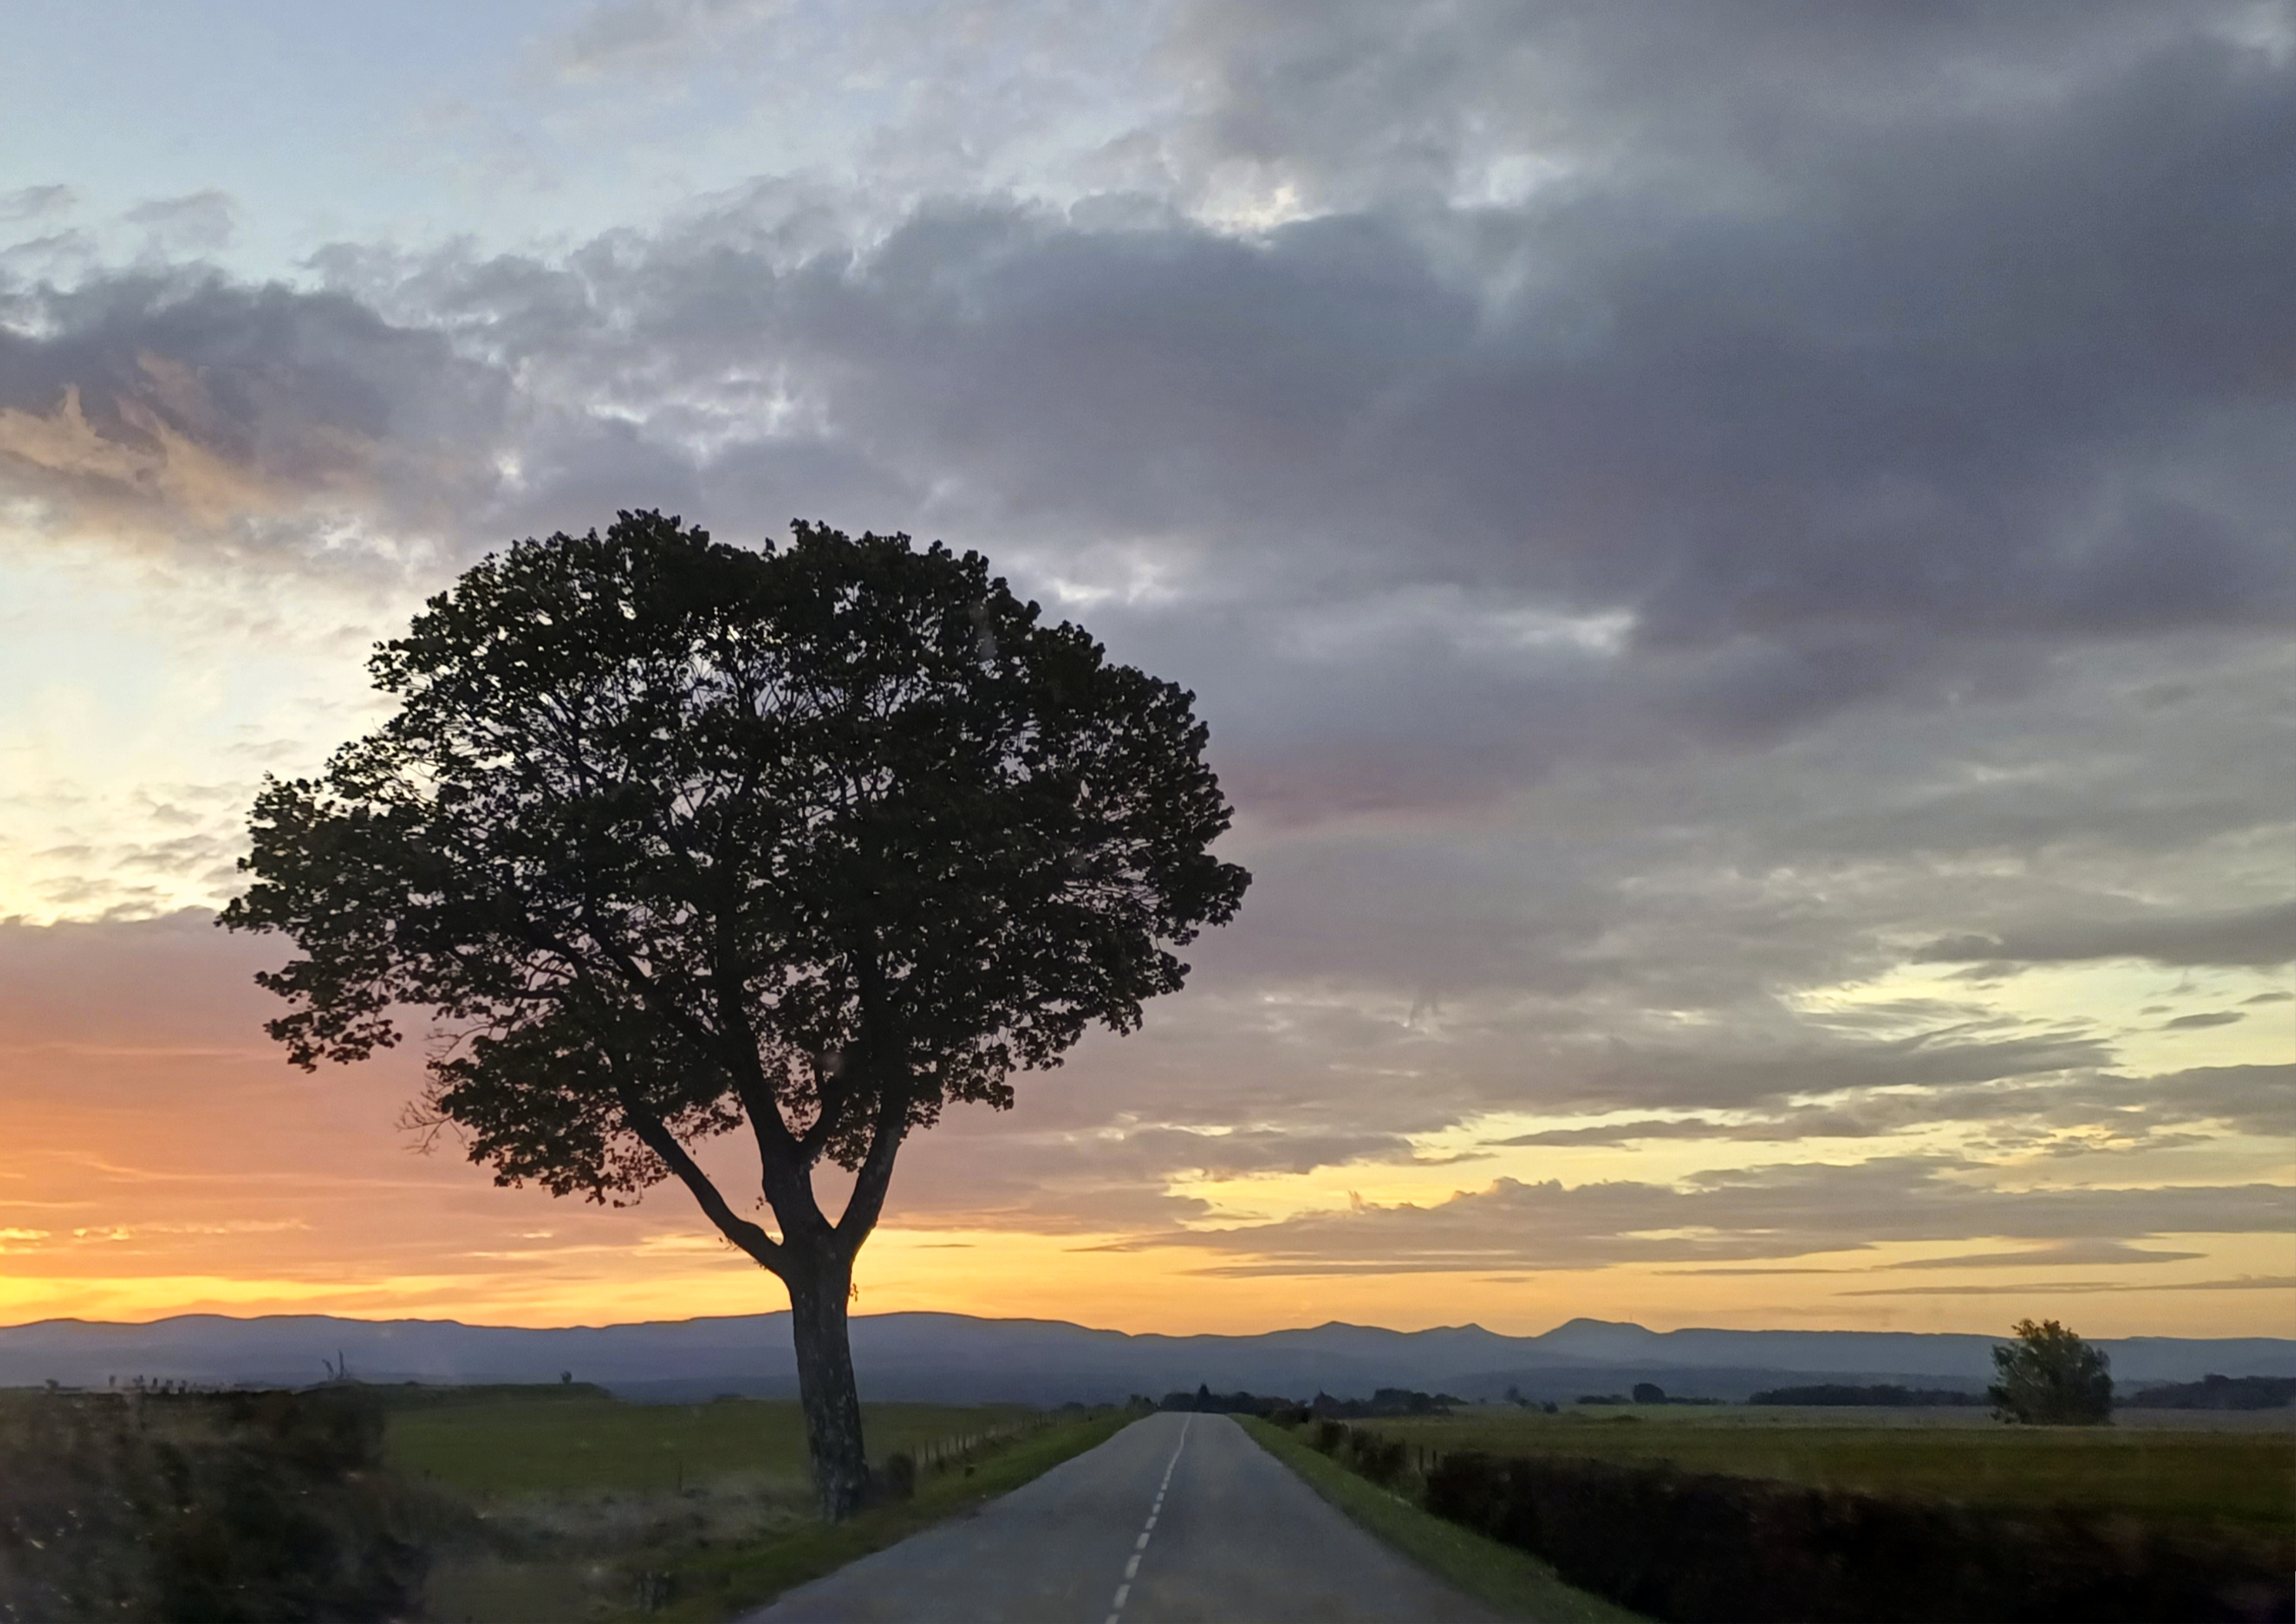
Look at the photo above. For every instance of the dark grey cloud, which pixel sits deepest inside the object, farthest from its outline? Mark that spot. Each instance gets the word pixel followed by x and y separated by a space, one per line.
pixel 1981 371
pixel 1976 373
pixel 2022 1110
pixel 248 423
pixel 1359 99
pixel 2259 936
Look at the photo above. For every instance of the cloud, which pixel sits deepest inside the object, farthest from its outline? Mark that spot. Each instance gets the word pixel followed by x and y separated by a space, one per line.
pixel 2067 1254
pixel 2037 1110
pixel 2077 1254
pixel 36 202
pixel 653 32
pixel 2259 937
pixel 2183 1023
pixel 198 224
pixel 260 424
pixel 2244 1283
pixel 1839 440
pixel 1783 1211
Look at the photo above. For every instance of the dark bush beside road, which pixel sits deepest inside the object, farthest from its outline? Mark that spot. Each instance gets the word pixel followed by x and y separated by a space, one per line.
pixel 207 1506
pixel 1695 1547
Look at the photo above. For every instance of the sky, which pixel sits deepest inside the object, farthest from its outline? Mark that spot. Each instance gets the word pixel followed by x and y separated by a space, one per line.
pixel 1738 560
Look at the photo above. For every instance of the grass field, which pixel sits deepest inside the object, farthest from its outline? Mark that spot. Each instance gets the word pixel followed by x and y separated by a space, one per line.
pixel 500 1445
pixel 2236 1482
pixel 594 1509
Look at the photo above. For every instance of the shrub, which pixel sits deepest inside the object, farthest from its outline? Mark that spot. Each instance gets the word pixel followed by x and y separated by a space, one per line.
pixel 1380 1459
pixel 1693 1548
pixel 212 1507
pixel 896 1479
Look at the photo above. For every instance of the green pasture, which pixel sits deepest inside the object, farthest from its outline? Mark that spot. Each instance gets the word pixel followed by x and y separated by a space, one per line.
pixel 2235 1483
pixel 495 1445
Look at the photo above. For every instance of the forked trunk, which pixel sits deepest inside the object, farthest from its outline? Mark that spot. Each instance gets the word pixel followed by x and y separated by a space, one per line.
pixel 819 1287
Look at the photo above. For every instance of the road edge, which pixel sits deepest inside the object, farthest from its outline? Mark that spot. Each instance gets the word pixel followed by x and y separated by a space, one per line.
pixel 1512 1582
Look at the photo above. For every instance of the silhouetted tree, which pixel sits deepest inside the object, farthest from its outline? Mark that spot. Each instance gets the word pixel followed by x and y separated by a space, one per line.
pixel 2050 1376
pixel 672 838
pixel 1649 1393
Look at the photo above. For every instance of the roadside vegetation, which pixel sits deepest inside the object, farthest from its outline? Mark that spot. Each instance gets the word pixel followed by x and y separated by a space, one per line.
pixel 711 1585
pixel 506 1504
pixel 160 1505
pixel 1509 1581
pixel 1726 1512
pixel 2212 1481
pixel 586 1507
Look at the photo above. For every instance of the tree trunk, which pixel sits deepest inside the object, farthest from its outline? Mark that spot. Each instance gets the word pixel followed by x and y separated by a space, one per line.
pixel 820 1282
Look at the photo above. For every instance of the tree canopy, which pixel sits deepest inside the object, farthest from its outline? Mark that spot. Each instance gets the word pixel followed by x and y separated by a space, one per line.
pixel 666 838
pixel 2049 1376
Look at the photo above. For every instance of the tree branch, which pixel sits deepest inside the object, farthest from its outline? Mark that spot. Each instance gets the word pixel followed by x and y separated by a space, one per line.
pixel 867 1202
pixel 890 1072
pixel 655 1135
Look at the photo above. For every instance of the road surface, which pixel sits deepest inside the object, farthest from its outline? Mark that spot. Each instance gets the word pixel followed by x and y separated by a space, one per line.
pixel 1175 1518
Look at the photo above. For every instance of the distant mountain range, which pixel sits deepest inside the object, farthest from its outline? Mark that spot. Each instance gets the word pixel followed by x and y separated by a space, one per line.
pixel 956 1358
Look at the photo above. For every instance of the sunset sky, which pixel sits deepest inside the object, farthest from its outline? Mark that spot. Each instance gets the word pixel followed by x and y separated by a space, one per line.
pixel 1738 559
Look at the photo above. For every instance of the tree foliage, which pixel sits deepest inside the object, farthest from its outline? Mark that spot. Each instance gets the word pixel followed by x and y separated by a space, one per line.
pixel 666 838
pixel 673 835
pixel 2049 1377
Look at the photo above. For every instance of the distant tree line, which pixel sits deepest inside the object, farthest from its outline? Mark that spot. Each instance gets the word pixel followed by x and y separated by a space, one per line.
pixel 1645 1392
pixel 2218 1393
pixel 1882 1395
pixel 1388 1401
pixel 1514 1395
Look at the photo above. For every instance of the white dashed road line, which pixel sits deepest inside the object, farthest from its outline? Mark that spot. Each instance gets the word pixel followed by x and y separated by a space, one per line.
pixel 1132 1566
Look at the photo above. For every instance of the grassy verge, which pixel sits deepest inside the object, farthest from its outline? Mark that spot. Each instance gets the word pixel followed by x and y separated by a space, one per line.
pixel 1511 1581
pixel 720 1585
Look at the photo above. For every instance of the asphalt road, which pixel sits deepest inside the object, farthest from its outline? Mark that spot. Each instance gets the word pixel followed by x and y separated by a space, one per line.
pixel 1175 1518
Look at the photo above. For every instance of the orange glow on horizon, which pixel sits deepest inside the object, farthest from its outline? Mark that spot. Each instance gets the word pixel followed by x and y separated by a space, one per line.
pixel 159 1158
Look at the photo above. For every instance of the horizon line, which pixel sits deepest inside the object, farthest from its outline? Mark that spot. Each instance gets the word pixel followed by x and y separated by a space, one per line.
pixel 249 1319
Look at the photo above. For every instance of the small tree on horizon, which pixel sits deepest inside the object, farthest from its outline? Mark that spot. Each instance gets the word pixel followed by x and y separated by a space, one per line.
pixel 668 838
pixel 2050 1377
